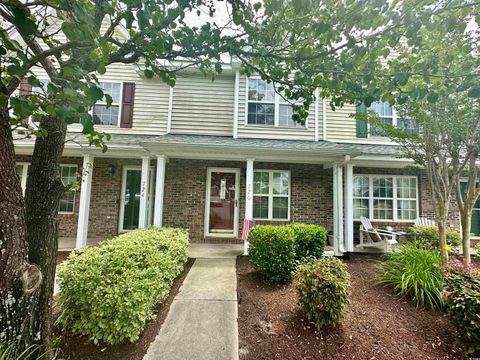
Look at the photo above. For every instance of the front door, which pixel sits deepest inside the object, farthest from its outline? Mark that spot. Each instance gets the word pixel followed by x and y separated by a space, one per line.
pixel 130 201
pixel 222 202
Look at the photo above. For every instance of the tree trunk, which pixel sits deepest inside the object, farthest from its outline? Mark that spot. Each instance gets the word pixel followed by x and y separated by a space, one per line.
pixel 466 218
pixel 443 240
pixel 44 190
pixel 19 280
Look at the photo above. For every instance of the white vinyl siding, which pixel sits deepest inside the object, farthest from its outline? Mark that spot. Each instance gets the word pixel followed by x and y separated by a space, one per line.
pixel 203 107
pixel 340 124
pixel 385 197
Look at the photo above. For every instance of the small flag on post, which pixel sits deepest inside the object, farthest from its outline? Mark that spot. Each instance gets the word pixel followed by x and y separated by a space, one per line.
pixel 247 225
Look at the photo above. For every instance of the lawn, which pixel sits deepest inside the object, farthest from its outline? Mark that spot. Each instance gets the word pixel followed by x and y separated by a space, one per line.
pixel 378 325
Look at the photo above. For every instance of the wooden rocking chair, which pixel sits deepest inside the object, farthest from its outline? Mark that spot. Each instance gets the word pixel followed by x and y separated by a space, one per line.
pixel 376 238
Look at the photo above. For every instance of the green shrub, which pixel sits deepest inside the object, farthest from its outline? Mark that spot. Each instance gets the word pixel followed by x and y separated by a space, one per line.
pixel 108 291
pixel 309 240
pixel 323 287
pixel 427 237
pixel 462 294
pixel 414 272
pixel 272 251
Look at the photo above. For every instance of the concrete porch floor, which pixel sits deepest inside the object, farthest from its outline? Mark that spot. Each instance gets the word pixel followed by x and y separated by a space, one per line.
pixel 196 250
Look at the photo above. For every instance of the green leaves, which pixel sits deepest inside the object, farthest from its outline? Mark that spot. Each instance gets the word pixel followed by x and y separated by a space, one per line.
pixel 108 292
pixel 323 286
pixel 23 22
pixel 22 108
pixel 474 92
pixel 94 93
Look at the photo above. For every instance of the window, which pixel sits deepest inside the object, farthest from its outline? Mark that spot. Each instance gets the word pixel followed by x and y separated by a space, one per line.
pixel 69 177
pixel 385 198
pixel 389 116
pixel 108 116
pixel 271 195
pixel 268 108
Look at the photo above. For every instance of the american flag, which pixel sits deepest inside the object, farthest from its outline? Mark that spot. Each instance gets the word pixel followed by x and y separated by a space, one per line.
pixel 247 225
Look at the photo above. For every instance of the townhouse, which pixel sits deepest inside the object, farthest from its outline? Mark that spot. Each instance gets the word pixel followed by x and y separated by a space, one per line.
pixel 206 155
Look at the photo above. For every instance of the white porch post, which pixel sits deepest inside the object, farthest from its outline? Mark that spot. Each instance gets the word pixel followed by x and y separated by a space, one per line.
pixel 159 191
pixel 248 198
pixel 349 207
pixel 142 214
pixel 337 210
pixel 84 206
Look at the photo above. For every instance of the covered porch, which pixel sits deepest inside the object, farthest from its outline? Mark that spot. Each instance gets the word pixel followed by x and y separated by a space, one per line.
pixel 170 180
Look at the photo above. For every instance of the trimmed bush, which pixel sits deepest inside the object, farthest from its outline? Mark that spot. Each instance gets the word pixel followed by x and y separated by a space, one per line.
pixel 309 240
pixel 108 291
pixel 323 287
pixel 272 251
pixel 414 272
pixel 462 294
pixel 427 237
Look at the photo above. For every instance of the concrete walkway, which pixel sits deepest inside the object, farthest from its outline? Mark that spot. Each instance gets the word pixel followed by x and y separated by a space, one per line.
pixel 202 321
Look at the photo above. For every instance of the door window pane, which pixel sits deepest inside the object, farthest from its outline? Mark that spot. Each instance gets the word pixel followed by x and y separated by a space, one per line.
pixel 131 199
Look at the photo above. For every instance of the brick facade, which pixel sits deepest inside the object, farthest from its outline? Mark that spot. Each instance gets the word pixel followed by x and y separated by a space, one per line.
pixel 185 192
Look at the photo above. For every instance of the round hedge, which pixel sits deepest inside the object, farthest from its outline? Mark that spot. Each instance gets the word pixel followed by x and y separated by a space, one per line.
pixel 272 251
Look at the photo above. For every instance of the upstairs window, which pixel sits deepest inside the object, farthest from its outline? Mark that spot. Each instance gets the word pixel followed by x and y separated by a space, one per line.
pixel 111 115
pixel 268 108
pixel 388 115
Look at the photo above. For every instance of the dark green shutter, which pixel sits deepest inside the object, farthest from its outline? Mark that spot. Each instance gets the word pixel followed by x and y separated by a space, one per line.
pixel 476 211
pixel 362 125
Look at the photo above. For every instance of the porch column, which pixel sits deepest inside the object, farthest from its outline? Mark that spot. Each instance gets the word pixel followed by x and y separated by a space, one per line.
pixel 159 191
pixel 338 210
pixel 349 207
pixel 142 213
pixel 84 206
pixel 248 198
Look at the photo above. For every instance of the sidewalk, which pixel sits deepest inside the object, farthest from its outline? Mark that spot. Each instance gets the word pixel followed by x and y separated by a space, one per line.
pixel 202 321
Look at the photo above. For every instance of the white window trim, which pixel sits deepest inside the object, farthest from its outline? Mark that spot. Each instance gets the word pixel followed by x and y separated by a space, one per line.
pixel 74 193
pixel 278 100
pixel 394 121
pixel 120 99
pixel 25 166
pixel 270 194
pixel 395 198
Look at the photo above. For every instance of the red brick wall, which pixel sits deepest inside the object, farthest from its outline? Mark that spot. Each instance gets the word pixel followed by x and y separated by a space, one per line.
pixel 185 190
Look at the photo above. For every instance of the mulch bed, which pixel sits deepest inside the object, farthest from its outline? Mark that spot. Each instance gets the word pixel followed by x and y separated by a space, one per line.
pixel 377 325
pixel 78 347
pixel 62 256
